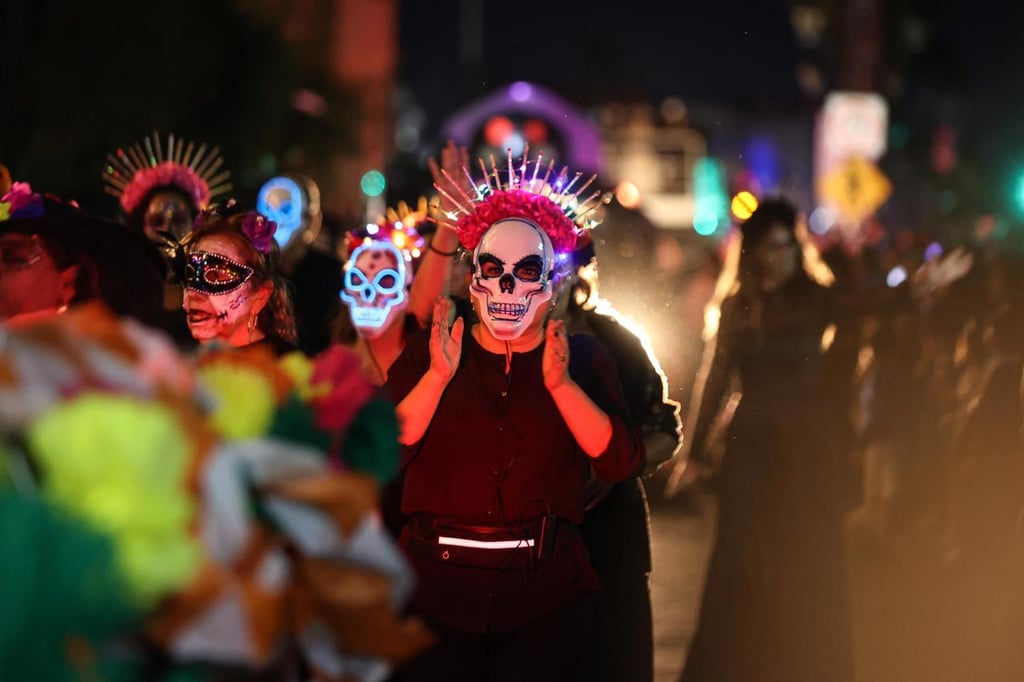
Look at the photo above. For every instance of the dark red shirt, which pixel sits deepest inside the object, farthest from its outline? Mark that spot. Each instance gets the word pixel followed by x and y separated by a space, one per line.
pixel 499 452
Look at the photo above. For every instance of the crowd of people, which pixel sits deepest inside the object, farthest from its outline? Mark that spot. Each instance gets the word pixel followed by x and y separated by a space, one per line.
pixel 422 452
pixel 435 482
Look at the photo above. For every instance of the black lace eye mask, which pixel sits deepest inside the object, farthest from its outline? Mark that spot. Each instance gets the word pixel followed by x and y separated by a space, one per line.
pixel 213 274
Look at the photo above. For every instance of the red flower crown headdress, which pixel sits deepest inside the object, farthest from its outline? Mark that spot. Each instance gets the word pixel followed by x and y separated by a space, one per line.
pixel 548 202
pixel 131 175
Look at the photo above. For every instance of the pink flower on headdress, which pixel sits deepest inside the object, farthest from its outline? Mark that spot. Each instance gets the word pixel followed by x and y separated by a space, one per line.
pixel 516 203
pixel 22 202
pixel 166 174
pixel 260 231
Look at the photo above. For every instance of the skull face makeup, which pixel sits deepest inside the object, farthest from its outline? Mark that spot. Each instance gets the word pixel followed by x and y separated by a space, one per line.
pixel 512 279
pixel 220 297
pixel 375 287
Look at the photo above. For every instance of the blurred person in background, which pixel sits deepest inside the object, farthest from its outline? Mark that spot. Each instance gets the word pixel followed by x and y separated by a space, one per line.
pixel 162 185
pixel 987 507
pixel 393 275
pixel 616 526
pixel 391 279
pixel 54 256
pixel 775 605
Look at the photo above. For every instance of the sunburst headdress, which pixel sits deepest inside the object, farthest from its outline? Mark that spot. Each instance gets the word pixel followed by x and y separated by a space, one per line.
pixel 530 193
pixel 133 173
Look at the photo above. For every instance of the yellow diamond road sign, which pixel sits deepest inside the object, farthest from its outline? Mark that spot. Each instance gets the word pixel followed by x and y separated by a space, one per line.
pixel 856 188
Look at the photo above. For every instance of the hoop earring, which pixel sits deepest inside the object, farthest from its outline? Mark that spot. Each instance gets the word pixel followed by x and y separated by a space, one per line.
pixel 252 325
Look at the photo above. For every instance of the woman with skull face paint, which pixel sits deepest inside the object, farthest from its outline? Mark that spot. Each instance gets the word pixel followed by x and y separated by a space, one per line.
pixel 775 599
pixel 162 186
pixel 501 423
pixel 234 295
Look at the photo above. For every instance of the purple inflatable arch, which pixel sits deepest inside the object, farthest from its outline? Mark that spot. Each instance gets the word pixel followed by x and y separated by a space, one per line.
pixel 582 137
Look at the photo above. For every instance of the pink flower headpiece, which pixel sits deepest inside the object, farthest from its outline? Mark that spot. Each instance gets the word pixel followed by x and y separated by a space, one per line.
pixel 548 202
pixel 166 174
pixel 131 175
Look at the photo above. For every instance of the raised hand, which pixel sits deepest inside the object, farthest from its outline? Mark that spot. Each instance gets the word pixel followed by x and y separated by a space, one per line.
pixel 445 345
pixel 555 364
pixel 453 159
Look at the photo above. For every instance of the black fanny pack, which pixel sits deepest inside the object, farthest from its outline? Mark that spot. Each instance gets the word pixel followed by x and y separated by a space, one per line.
pixel 517 545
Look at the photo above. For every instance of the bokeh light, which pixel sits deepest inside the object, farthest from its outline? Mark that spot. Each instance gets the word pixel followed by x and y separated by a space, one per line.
pixel 628 194
pixel 743 205
pixel 373 183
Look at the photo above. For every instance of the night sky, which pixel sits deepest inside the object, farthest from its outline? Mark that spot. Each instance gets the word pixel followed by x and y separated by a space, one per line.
pixel 588 52
pixel 743 52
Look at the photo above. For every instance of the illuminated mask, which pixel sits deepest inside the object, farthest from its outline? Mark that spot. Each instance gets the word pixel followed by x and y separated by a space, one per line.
pixel 293 202
pixel 513 269
pixel 280 199
pixel 375 283
pixel 213 274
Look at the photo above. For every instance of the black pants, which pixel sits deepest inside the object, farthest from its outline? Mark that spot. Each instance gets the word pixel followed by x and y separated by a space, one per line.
pixel 556 647
pixel 616 535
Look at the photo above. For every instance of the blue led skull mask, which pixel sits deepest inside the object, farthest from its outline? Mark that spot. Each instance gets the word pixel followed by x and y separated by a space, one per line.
pixel 376 278
pixel 293 202
pixel 513 271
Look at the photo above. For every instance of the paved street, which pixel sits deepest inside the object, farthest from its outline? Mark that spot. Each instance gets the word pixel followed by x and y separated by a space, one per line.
pixel 681 540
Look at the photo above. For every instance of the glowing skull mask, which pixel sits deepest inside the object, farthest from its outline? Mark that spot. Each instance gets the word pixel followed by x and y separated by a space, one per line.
pixel 512 279
pixel 376 277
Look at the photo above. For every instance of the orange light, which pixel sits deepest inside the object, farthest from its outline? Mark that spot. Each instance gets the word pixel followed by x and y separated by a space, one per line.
pixel 497 130
pixel 628 194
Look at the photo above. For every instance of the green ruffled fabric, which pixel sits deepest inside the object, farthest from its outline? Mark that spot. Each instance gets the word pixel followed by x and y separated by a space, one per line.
pixel 371 443
pixel 294 422
pixel 61 582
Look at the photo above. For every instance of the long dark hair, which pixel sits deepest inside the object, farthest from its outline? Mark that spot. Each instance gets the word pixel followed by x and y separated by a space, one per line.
pixel 739 272
pixel 277 319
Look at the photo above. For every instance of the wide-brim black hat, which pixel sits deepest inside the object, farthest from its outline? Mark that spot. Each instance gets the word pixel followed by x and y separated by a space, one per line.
pixel 130 269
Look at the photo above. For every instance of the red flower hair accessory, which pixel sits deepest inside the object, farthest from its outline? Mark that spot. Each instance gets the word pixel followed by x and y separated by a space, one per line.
pixel 260 231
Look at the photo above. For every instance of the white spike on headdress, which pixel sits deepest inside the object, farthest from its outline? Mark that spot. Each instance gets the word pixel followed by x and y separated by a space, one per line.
pixel 559 191
pixel 130 170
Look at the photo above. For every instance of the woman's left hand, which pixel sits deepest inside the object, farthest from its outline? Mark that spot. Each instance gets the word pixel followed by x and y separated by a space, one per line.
pixel 453 160
pixel 556 355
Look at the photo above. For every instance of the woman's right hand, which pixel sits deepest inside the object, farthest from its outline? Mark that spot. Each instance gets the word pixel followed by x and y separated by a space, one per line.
pixel 445 344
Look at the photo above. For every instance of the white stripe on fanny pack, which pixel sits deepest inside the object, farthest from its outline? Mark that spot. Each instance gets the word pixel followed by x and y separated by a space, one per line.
pixel 484 544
